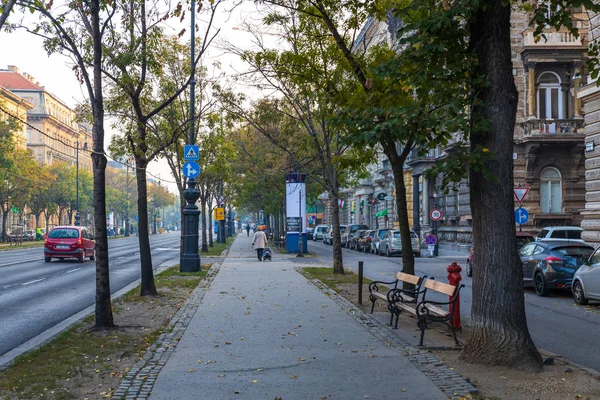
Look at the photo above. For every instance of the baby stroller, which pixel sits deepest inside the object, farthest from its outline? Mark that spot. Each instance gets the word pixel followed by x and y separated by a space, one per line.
pixel 267 254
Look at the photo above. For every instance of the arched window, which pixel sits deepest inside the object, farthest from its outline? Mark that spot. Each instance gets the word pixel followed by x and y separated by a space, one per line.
pixel 550 191
pixel 549 101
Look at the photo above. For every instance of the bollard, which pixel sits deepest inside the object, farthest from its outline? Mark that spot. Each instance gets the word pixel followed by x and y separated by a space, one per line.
pixel 454 279
pixel 360 281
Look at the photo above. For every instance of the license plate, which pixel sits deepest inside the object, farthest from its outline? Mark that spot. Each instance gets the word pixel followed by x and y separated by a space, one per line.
pixel 62 246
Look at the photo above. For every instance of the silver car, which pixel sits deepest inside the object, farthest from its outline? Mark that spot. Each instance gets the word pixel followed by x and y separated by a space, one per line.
pixel 391 243
pixel 586 281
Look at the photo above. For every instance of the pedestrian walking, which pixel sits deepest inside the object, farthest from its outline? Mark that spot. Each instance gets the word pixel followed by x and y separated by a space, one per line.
pixel 248 229
pixel 259 241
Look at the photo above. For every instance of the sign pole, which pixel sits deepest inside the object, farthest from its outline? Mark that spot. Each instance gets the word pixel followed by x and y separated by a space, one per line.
pixel 190 257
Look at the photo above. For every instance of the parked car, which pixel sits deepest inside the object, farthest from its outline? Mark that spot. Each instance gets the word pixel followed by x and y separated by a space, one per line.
pixel 69 242
pixel 320 232
pixel 328 238
pixel 353 240
pixel 364 243
pixel 522 239
pixel 350 231
pixel 570 233
pixel 310 233
pixel 586 281
pixel 391 243
pixel 379 234
pixel 552 264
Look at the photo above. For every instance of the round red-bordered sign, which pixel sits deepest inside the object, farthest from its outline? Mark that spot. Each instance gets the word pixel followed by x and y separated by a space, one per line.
pixel 436 214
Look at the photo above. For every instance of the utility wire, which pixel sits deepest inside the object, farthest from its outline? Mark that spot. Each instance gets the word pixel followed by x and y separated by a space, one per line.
pixel 73 147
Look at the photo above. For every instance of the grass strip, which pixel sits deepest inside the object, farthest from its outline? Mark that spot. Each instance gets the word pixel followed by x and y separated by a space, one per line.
pixel 218 248
pixel 332 280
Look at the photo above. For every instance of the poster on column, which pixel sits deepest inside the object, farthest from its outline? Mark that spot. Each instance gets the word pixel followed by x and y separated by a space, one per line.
pixel 295 199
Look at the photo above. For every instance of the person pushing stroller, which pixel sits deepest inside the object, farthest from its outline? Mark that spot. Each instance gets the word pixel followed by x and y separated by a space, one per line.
pixel 259 241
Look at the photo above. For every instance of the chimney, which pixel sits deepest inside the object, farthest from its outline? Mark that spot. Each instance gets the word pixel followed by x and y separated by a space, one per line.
pixel 13 68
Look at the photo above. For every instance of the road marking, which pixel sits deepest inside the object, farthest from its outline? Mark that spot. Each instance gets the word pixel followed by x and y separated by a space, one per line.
pixel 20 262
pixel 30 282
pixel 166 249
pixel 73 270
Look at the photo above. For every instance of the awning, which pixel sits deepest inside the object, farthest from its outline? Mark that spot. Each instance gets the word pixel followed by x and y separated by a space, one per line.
pixel 382 213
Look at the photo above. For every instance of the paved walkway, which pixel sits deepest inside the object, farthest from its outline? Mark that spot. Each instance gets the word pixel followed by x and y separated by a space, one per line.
pixel 261 330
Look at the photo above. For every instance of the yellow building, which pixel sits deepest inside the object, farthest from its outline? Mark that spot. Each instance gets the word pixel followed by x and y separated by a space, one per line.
pixel 12 105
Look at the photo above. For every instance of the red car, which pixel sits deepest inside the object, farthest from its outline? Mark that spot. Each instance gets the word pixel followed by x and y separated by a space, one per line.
pixel 69 242
pixel 522 239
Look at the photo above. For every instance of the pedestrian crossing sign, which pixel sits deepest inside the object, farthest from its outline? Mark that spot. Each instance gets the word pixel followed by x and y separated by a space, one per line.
pixel 191 152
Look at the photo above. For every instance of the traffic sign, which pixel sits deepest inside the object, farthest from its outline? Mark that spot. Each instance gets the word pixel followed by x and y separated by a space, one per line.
pixel 221 200
pixel 191 169
pixel 521 216
pixel 520 193
pixel 219 214
pixel 15 210
pixel 430 240
pixel 191 152
pixel 436 214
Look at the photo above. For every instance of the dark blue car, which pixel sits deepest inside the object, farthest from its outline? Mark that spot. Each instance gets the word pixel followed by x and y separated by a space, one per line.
pixel 552 264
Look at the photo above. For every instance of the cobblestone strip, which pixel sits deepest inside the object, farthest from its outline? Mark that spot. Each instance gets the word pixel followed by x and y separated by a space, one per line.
pixel 139 381
pixel 450 382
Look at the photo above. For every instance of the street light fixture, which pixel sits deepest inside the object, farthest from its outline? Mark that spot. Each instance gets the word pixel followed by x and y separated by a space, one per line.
pixel 77 215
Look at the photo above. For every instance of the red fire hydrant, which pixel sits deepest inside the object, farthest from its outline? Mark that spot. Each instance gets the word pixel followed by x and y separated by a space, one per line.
pixel 454 279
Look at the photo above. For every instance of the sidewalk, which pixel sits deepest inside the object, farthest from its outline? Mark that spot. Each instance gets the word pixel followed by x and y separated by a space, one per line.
pixel 262 331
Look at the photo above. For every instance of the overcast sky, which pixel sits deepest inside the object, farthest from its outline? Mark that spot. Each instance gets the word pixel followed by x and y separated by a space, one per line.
pixel 25 51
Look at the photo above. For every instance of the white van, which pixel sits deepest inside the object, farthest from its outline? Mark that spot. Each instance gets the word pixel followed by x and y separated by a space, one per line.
pixel 320 232
pixel 568 233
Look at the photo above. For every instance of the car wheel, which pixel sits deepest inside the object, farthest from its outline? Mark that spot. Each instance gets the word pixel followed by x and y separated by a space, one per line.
pixel 387 252
pixel 469 269
pixel 93 256
pixel 579 295
pixel 540 285
pixel 47 259
pixel 82 258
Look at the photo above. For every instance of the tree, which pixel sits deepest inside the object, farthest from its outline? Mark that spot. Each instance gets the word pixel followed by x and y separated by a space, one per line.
pixel 41 198
pixel 6 8
pixel 158 197
pixel 135 61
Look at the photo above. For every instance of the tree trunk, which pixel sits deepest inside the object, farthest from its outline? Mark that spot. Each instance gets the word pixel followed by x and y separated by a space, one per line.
pixel 397 163
pixel 499 334
pixel 338 262
pixel 103 310
pixel 147 287
pixel 4 222
pixel 210 225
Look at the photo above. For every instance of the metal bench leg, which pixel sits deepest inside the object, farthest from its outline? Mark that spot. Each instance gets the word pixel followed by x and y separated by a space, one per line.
pixel 422 324
pixel 397 317
pixel 372 298
pixel 454 334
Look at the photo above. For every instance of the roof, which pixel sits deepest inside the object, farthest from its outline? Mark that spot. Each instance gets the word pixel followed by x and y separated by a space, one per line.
pixel 15 81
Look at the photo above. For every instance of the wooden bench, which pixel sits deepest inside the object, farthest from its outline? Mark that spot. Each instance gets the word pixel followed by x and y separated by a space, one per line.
pixel 429 311
pixel 397 298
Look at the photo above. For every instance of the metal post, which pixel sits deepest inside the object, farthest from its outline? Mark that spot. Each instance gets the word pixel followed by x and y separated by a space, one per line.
pixel 300 242
pixel 360 281
pixel 190 258
pixel 435 231
pixel 77 216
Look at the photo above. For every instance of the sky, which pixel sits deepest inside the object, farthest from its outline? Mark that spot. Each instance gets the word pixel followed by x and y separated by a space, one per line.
pixel 25 51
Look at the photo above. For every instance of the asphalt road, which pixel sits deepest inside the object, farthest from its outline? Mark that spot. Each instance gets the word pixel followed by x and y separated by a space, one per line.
pixel 556 323
pixel 35 295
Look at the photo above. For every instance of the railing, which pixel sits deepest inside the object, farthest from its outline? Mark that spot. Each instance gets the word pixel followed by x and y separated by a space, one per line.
pixel 555 39
pixel 552 127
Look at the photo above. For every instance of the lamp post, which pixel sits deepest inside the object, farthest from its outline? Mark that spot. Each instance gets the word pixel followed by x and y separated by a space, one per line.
pixel 190 258
pixel 77 216
pixel 127 206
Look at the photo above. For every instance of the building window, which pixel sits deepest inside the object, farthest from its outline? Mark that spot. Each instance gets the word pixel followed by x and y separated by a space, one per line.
pixel 550 191
pixel 549 101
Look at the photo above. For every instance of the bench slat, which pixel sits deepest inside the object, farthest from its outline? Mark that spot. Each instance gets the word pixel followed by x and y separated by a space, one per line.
pixel 407 307
pixel 437 311
pixel 415 280
pixel 440 287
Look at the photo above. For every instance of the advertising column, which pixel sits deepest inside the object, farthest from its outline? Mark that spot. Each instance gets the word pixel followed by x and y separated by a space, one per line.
pixel 295 202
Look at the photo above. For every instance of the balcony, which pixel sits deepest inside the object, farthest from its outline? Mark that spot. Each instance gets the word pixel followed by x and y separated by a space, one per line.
pixel 554 39
pixel 552 129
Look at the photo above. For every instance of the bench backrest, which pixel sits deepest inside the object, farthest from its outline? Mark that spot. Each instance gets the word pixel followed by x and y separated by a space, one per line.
pixel 441 287
pixel 415 280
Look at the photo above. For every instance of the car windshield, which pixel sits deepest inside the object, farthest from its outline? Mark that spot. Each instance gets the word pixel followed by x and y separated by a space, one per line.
pixel 574 251
pixel 382 233
pixel 64 234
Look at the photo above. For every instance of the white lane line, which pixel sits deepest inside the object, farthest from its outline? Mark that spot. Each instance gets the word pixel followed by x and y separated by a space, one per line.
pixel 166 249
pixel 34 281
pixel 20 262
pixel 73 270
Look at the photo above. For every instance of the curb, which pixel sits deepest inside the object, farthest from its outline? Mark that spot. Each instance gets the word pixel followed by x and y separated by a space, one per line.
pixel 447 380
pixel 139 381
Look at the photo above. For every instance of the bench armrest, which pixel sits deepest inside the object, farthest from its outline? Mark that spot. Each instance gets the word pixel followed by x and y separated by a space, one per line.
pixel 374 286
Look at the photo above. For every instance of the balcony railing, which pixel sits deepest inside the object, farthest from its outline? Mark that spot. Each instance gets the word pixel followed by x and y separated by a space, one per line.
pixel 537 127
pixel 555 39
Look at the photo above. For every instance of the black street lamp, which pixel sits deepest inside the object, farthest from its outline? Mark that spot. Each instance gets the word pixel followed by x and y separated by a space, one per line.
pixel 127 192
pixel 77 216
pixel 190 258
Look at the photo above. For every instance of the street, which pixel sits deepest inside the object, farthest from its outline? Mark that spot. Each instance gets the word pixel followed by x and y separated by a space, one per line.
pixel 35 295
pixel 556 323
